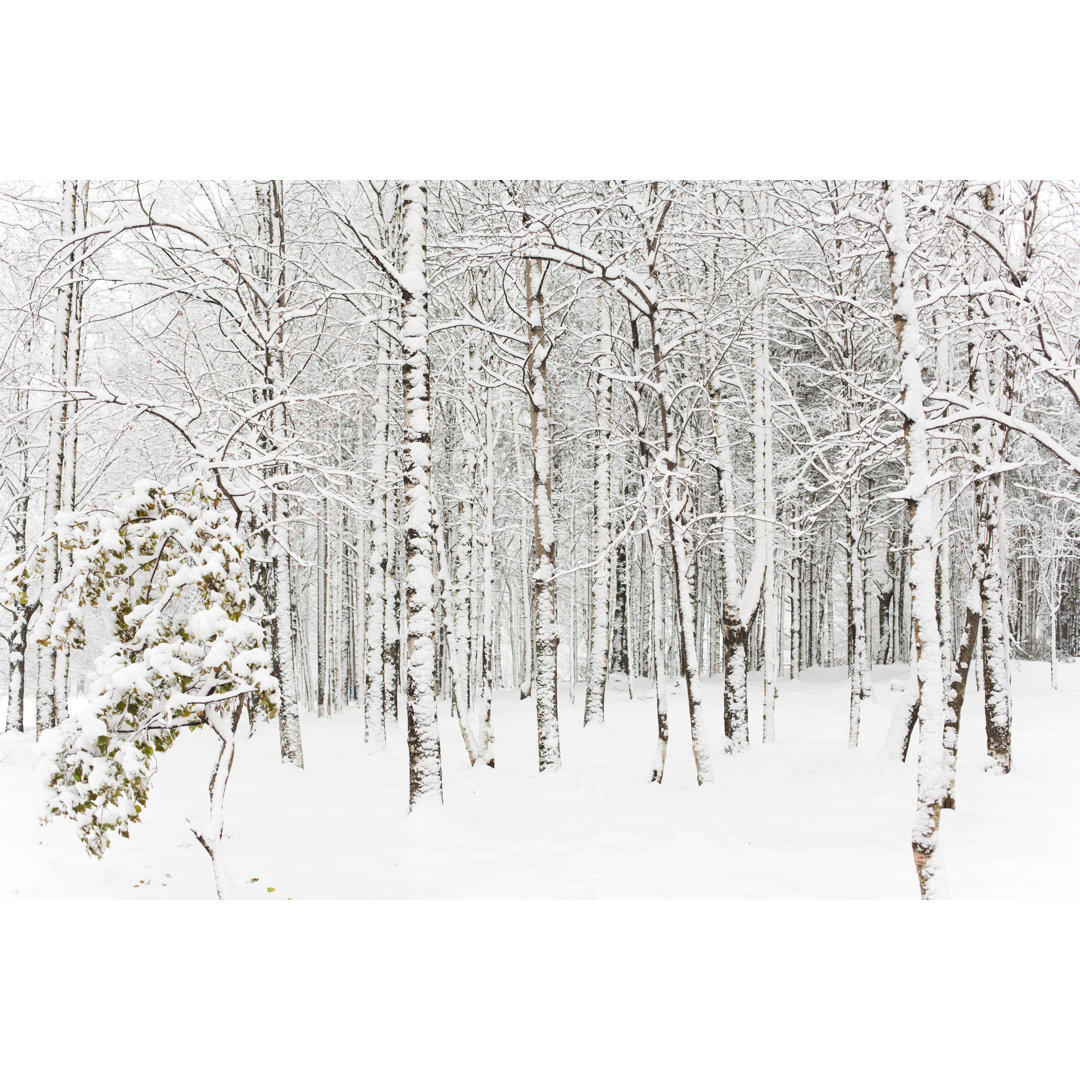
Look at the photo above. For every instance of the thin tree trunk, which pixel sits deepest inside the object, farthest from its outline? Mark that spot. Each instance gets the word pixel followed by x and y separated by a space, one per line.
pixel 51 699
pixel 377 597
pixel 546 635
pixel 212 835
pixel 656 553
pixel 22 613
pixel 921 508
pixel 292 751
pixel 996 694
pixel 857 653
pixel 487 648
pixel 600 600
pixel 320 611
pixel 766 519
pixel 458 672
pixel 425 762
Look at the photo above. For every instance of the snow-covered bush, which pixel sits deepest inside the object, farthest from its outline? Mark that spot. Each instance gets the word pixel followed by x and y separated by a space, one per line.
pixel 167 566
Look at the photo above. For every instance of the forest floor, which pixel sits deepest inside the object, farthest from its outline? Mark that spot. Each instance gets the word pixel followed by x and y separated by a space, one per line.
pixel 801 817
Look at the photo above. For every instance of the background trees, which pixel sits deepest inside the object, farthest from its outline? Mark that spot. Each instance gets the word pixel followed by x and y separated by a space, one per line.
pixel 482 435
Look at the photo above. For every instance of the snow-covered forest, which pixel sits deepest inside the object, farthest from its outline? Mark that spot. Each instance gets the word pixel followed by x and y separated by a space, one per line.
pixel 511 507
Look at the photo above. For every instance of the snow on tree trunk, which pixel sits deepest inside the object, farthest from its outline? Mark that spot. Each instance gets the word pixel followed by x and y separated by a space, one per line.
pixel 857 653
pixel 22 608
pixel 17 666
pixel 321 584
pixel 51 683
pixel 732 629
pixel 919 493
pixel 292 752
pixel 374 710
pixel 601 585
pixel 674 495
pixel 487 609
pixel 670 497
pixel 527 587
pixel 995 668
pixel 391 614
pixel 458 701
pixel 546 635
pixel 765 506
pixel 620 648
pixel 738 605
pixel 988 447
pixel 684 600
pixel 212 835
pixel 658 641
pixel 1053 648
pixel 425 762
pixel 656 553
pixel 989 443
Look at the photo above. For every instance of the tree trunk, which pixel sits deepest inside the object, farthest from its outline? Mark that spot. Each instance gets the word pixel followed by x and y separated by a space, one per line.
pixel 600 599
pixel 546 635
pixel 487 604
pixel 322 561
pixel 656 552
pixel 765 511
pixel 282 638
pixel 425 762
pixel 22 613
pixel 857 653
pixel 212 835
pixel 377 597
pixel 995 662
pixel 459 704
pixel 921 503
pixel 51 684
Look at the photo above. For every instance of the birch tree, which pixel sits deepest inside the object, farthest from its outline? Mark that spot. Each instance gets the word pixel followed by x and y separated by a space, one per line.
pixel 546 626
pixel 425 761
pixel 600 600
pixel 919 495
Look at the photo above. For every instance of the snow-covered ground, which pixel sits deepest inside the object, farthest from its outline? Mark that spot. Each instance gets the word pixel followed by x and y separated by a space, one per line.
pixel 803 817
pixel 538 990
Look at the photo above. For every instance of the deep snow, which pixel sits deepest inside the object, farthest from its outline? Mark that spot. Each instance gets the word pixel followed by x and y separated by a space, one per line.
pixel 802 817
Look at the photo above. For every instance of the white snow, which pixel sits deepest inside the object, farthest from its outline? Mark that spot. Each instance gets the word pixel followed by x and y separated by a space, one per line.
pixel 801 817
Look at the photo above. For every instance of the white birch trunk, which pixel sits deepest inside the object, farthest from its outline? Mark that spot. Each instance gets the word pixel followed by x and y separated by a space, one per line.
pixel 282 639
pixel 921 502
pixel 425 763
pixel 458 671
pixel 526 605
pixel 858 667
pixel 658 641
pixel 374 675
pixel 321 563
pixel 601 582
pixel 733 630
pixel 765 512
pixel 656 554
pixel 995 667
pixel 21 613
pixel 51 697
pixel 547 631
pixel 292 752
pixel 1053 648
pixel 487 647
pixel 391 614
pixel 684 600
